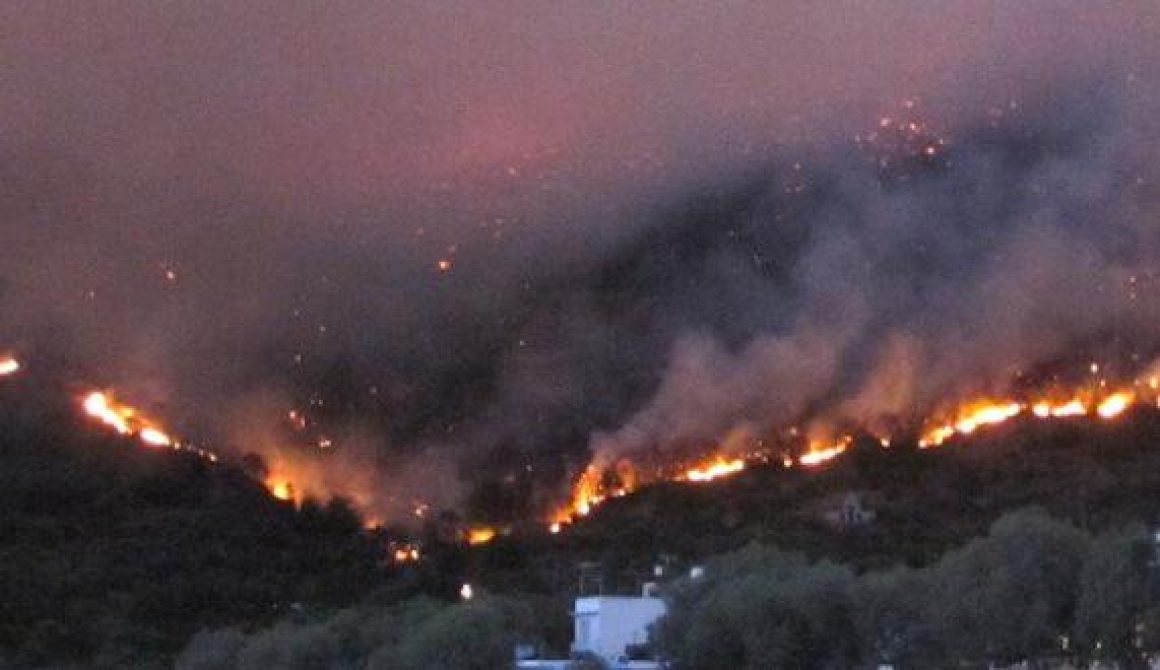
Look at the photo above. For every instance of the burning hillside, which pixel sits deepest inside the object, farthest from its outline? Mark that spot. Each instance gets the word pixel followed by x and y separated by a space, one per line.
pixel 125 420
pixel 103 408
pixel 888 283
pixel 1097 400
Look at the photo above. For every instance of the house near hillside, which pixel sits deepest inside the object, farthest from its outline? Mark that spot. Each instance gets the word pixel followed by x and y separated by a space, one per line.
pixel 849 510
pixel 610 628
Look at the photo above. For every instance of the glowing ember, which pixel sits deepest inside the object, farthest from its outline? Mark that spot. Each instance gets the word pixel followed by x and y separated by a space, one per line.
pixel 297 419
pixel 125 420
pixel 406 553
pixel 719 467
pixel 555 527
pixel 480 535
pixel 8 366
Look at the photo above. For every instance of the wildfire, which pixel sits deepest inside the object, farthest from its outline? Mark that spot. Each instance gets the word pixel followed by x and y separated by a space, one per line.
pixel 985 413
pixel 125 420
pixel 969 419
pixel 820 454
pixel 480 535
pixel 717 467
pixel 966 419
pixel 128 421
pixel 9 366
pixel 585 495
pixel 281 489
pixel 1073 407
pixel 1115 404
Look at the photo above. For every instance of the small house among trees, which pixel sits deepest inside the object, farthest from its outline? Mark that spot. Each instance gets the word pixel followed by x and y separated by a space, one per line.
pixel 848 511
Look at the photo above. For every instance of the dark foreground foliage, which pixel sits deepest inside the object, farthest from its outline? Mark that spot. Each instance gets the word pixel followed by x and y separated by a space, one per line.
pixel 1033 589
pixel 480 634
pixel 116 556
pixel 112 555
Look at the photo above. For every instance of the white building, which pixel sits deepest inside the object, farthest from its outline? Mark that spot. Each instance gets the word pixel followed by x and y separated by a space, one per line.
pixel 607 625
pixel 849 511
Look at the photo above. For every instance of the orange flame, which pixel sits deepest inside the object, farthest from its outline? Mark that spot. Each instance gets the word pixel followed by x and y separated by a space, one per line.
pixel 125 420
pixel 1046 410
pixel 966 419
pixel 986 413
pixel 281 489
pixel 820 454
pixel 480 535
pixel 719 466
pixel 969 419
pixel 9 366
pixel 1115 404
pixel 587 493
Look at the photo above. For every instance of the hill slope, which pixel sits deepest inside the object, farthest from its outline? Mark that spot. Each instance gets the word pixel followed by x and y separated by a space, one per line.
pixel 111 552
pixel 1097 474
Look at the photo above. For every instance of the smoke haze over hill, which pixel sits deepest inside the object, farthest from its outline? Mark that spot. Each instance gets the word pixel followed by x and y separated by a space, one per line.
pixel 492 235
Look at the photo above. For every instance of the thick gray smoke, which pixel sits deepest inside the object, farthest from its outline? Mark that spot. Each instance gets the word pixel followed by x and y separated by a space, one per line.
pixel 480 233
pixel 918 278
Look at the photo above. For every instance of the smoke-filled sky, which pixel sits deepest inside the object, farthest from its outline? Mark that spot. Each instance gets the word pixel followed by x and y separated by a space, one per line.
pixel 499 234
